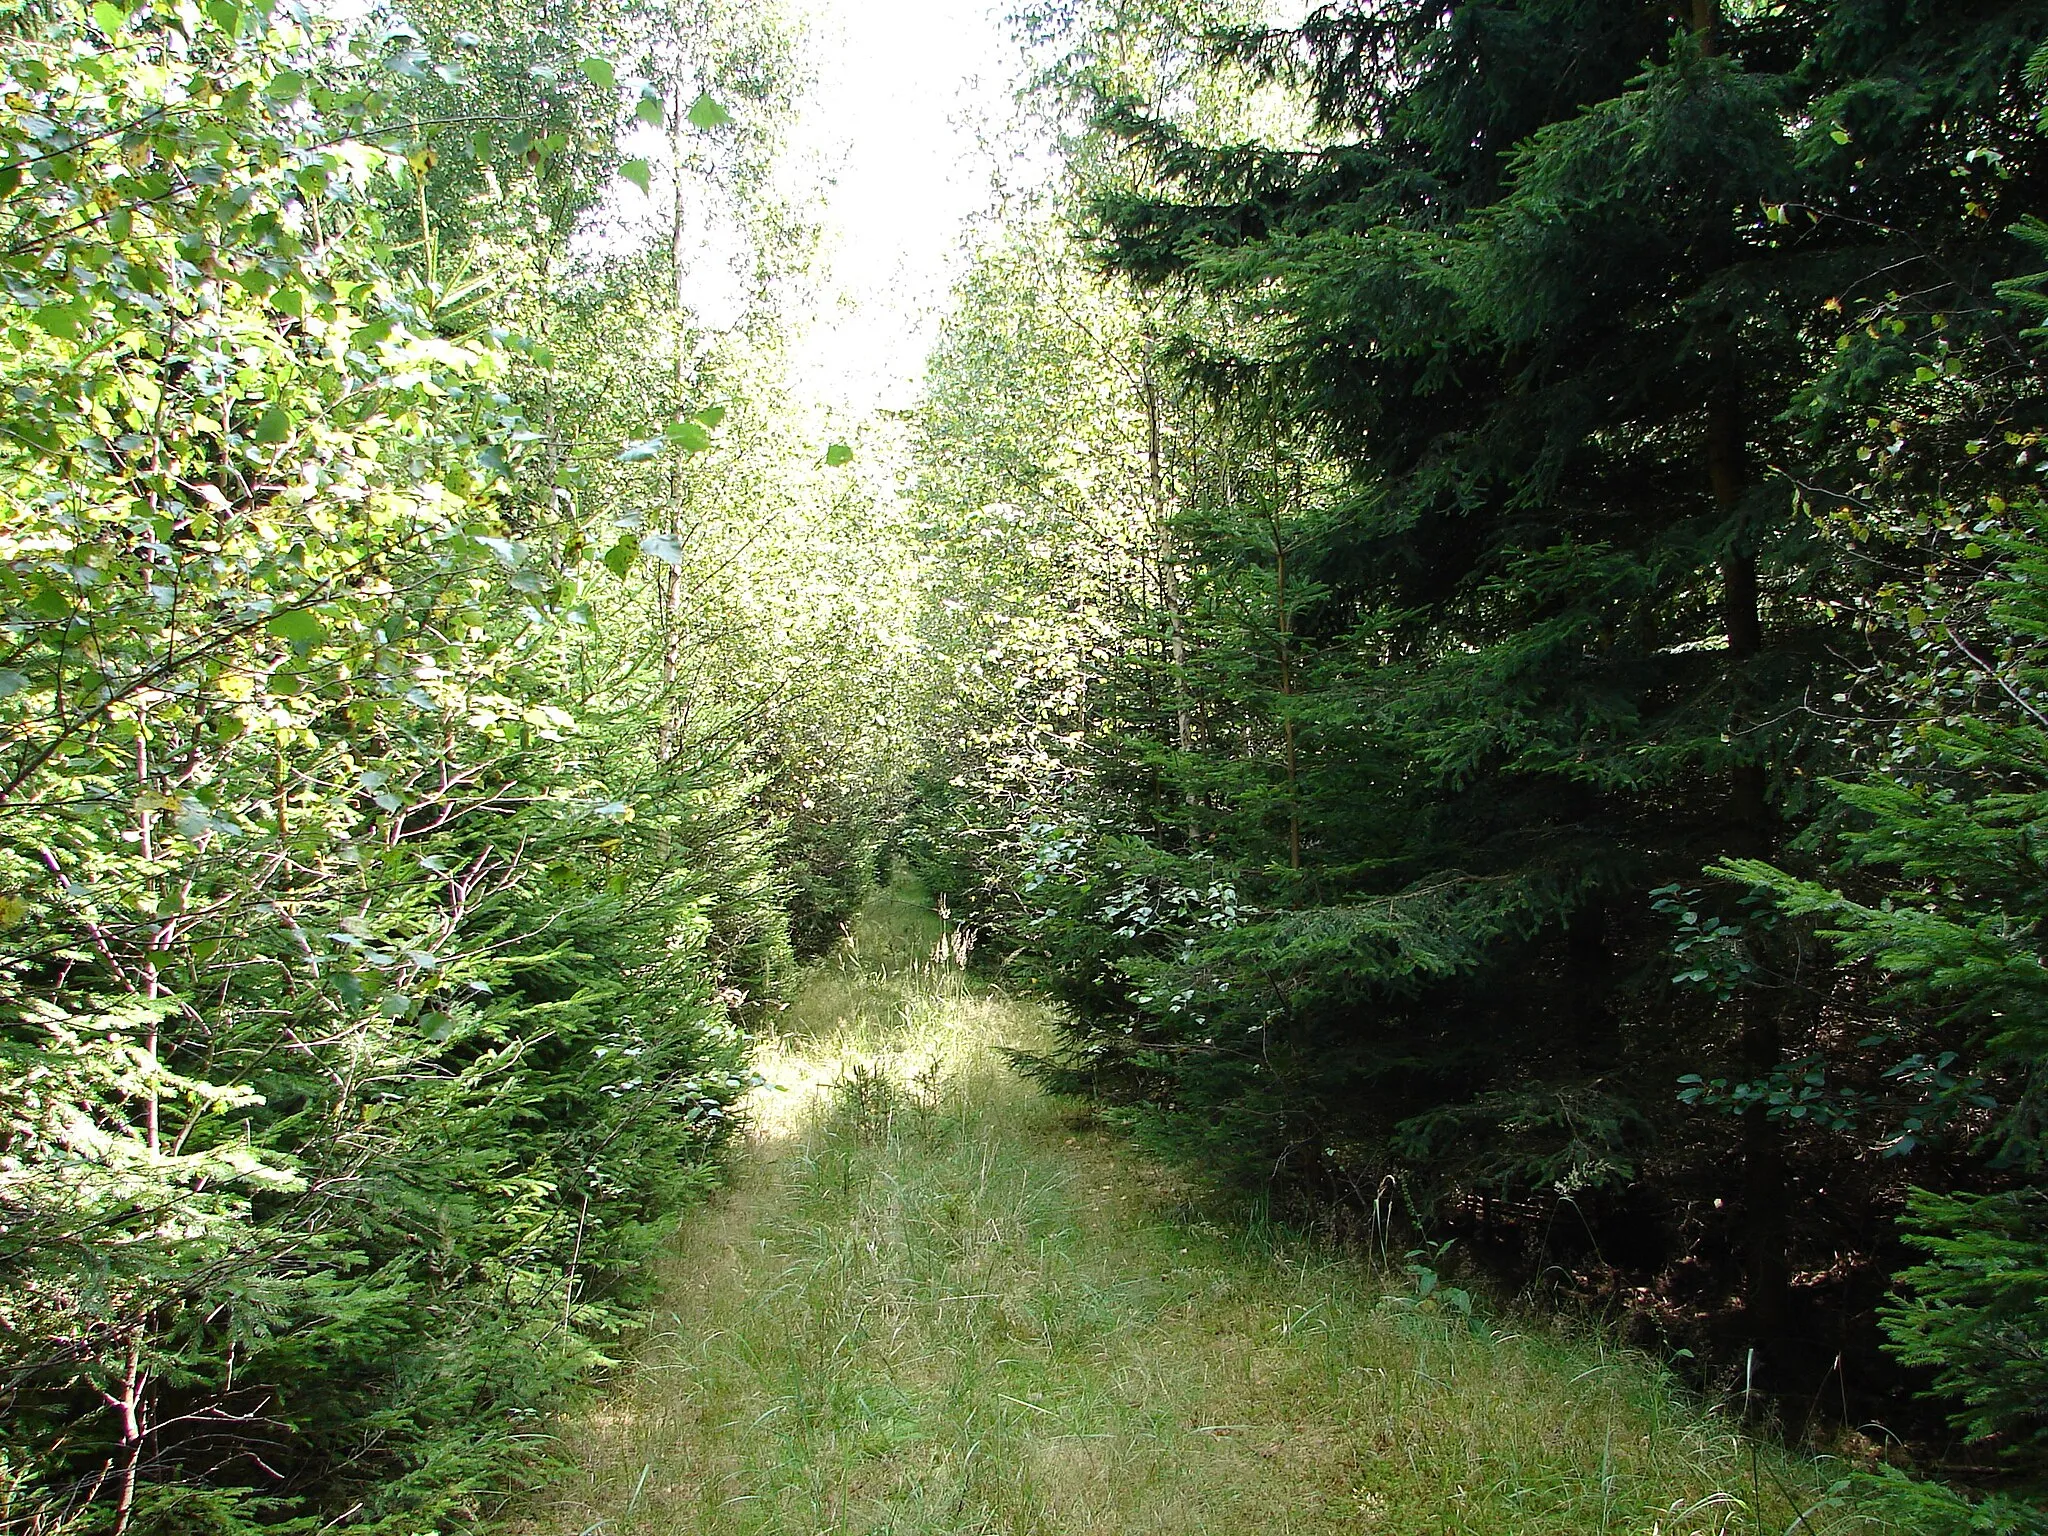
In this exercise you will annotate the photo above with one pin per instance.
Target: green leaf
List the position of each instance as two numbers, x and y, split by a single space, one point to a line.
837 455
711 415
649 109
637 172
641 450
274 426
619 558
706 113
689 436
599 73
50 603
298 625
38 434
223 14
61 320
110 19
286 85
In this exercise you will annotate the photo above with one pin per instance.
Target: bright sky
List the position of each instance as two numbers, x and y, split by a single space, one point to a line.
904 88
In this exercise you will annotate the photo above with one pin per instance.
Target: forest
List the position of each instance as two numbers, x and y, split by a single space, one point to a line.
1464 603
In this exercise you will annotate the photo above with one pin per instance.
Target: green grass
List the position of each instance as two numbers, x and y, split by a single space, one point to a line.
936 1301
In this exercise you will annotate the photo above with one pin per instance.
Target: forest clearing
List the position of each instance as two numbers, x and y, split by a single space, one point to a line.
1449 599
935 1300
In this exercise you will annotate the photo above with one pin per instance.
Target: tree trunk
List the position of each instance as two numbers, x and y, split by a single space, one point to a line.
1286 628
1767 1219
129 1406
1759 1042
1767 1276
669 578
1706 25
1169 583
1589 965
1767 1290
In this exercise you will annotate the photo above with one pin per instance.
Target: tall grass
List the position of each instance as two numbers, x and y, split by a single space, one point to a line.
935 1301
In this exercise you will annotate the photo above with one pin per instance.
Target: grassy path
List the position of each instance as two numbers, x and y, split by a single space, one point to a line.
935 1302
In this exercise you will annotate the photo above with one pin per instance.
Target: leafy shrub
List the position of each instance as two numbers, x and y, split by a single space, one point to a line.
365 1013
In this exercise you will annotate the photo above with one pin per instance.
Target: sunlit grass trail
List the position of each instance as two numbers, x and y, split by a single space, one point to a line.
935 1301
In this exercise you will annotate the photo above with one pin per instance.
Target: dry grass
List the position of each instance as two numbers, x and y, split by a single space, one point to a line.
933 1302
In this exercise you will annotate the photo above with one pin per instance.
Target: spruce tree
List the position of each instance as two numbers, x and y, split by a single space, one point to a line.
1566 295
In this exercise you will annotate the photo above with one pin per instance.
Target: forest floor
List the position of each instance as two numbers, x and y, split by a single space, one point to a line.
935 1300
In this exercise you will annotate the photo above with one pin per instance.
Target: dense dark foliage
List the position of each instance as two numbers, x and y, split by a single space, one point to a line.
1573 786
